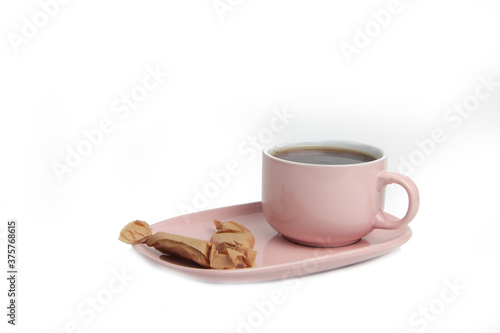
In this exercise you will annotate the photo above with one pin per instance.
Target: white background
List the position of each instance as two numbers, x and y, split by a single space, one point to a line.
227 77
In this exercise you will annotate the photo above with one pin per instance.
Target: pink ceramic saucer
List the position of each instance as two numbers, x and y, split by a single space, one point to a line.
277 258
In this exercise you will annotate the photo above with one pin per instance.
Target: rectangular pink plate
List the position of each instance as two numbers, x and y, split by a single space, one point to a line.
277 258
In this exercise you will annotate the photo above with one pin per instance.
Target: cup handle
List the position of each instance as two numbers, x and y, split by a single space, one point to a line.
384 221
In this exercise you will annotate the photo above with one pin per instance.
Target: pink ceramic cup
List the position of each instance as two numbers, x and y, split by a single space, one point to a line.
330 205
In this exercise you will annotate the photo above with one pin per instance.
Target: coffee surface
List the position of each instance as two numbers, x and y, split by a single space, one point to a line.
323 155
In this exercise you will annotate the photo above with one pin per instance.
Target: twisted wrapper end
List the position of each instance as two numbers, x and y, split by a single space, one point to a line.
136 232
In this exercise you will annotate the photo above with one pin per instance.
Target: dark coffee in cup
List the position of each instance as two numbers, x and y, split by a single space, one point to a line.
323 155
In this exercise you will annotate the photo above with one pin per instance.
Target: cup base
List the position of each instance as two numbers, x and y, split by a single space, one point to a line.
318 244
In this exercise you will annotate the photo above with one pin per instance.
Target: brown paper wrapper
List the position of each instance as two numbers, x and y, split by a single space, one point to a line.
230 247
135 232
234 244
180 246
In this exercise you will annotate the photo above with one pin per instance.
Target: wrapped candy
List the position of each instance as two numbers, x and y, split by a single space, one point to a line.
230 247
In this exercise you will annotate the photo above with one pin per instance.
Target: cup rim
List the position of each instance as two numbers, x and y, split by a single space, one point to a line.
377 153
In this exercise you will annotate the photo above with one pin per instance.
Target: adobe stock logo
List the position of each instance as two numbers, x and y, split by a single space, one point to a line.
222 7
263 309
89 309
248 150
379 20
39 20
453 118
122 106
427 314
292 281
